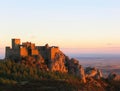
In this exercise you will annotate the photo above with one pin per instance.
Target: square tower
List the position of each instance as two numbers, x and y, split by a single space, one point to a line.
15 43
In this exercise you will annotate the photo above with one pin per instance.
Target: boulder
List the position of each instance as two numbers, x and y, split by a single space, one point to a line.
93 72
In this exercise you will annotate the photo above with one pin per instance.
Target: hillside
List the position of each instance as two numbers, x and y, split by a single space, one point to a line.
30 67
17 77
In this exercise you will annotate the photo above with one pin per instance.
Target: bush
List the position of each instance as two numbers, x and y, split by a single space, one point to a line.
21 72
7 81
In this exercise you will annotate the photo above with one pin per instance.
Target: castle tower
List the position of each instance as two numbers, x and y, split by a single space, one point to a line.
15 43
14 52
7 52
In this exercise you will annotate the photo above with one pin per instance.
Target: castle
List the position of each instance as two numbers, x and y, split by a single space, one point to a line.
19 51
48 59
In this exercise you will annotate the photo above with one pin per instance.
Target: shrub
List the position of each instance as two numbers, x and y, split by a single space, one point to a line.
7 81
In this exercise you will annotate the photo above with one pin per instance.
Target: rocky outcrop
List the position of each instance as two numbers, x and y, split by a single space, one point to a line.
82 74
58 63
93 72
113 77
75 68
64 64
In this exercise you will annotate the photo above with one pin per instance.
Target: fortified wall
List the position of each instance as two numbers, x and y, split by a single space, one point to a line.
19 51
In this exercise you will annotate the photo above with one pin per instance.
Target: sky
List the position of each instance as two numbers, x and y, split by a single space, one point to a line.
76 26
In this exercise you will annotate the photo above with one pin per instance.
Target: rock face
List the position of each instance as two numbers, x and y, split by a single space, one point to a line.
114 76
75 68
82 74
93 72
58 63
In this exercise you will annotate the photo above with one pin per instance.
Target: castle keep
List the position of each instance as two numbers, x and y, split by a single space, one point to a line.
19 51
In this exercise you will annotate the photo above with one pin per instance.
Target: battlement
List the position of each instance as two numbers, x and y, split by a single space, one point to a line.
28 45
25 49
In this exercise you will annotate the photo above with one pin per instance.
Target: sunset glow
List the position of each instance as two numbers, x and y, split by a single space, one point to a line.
78 26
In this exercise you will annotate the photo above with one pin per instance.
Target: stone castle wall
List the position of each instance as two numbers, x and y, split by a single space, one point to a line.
23 52
53 51
29 49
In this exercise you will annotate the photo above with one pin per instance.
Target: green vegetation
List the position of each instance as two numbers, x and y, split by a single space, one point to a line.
14 74
21 77
20 72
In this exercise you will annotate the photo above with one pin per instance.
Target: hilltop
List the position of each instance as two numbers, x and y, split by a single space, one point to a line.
46 67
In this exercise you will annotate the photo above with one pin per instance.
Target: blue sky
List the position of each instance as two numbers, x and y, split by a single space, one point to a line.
86 25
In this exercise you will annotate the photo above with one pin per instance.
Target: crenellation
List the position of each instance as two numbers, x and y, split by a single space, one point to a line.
25 49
